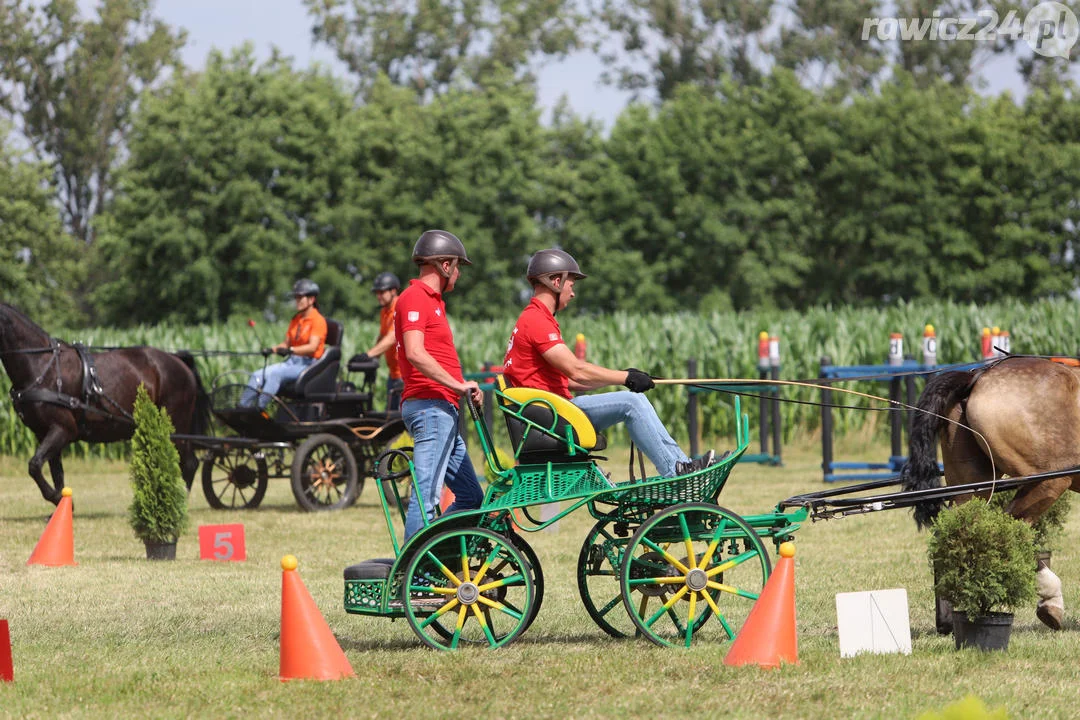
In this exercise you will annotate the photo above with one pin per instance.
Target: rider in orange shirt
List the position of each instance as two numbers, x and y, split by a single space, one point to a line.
386 287
304 343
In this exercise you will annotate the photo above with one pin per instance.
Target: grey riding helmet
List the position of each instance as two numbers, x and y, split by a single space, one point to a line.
553 261
434 246
304 287
386 281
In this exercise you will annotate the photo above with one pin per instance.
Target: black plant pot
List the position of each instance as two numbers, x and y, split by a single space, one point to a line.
986 632
160 550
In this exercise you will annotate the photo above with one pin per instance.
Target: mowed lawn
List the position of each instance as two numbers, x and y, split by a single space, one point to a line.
118 636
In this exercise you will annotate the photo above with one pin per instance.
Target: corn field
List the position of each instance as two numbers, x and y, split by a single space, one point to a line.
724 345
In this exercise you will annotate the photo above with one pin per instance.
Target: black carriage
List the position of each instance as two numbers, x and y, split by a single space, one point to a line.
320 432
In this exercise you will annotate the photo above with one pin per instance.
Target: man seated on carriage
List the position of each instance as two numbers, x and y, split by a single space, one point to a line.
434 382
537 357
305 342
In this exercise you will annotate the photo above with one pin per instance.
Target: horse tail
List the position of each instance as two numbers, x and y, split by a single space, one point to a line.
200 421
921 471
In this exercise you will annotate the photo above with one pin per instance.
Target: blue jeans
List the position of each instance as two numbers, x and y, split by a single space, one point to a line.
270 378
438 456
645 428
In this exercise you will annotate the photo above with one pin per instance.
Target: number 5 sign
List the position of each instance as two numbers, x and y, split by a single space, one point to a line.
222 542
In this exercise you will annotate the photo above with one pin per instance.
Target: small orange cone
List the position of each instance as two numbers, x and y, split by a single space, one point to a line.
446 500
57 545
7 673
309 651
768 636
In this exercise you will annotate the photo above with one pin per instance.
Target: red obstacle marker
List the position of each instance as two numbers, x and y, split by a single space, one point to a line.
309 651
222 542
768 636
57 544
7 671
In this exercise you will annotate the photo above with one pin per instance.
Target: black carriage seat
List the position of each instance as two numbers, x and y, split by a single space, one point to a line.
548 444
375 569
320 377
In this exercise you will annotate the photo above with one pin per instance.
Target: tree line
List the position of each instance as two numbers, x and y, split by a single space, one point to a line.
834 171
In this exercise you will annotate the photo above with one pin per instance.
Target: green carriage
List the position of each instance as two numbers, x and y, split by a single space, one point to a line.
662 559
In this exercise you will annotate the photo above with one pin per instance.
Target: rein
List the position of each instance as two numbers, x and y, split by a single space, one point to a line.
706 383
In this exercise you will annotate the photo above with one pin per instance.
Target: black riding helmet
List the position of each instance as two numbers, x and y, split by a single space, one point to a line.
434 246
303 287
553 261
386 281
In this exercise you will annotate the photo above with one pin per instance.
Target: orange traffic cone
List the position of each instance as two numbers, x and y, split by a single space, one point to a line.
57 545
309 650
7 673
768 636
446 500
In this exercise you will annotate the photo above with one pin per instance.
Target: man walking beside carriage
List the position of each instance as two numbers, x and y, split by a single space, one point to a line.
433 381
537 357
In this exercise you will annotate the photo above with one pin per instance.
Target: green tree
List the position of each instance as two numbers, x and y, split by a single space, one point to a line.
158 512
474 163
38 260
73 85
431 45
218 204
823 43
665 44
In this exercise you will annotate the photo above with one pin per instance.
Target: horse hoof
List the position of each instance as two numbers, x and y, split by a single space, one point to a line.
1050 616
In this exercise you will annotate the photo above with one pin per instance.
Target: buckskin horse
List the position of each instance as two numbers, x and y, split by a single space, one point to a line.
64 393
1028 411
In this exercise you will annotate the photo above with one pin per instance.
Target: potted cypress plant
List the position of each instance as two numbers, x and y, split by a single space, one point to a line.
1048 528
159 511
983 563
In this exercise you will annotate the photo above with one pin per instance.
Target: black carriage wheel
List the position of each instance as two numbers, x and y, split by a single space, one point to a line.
324 474
598 578
688 563
234 479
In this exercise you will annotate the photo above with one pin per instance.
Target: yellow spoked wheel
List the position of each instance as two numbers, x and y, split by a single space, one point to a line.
689 563
468 586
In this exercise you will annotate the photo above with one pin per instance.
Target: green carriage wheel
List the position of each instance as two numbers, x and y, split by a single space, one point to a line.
689 562
452 593
445 628
598 578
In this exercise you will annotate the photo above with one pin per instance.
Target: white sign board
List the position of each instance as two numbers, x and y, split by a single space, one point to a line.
874 621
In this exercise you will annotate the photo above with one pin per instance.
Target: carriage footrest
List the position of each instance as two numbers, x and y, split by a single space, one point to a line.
364 584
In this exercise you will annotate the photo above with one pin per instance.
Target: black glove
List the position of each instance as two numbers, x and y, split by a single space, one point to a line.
284 351
362 357
267 352
638 381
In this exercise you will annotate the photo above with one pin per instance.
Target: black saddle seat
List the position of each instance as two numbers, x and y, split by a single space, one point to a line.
321 375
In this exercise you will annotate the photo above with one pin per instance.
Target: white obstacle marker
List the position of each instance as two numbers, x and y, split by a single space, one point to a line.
873 621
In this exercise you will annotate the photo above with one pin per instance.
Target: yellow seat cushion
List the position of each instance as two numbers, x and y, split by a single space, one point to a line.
568 411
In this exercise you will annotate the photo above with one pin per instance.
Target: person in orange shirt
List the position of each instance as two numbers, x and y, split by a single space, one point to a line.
304 343
386 287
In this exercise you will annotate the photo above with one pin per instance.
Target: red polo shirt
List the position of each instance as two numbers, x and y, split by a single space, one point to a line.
421 308
536 332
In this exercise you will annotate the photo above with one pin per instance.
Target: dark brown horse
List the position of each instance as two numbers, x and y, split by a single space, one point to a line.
1028 411
64 393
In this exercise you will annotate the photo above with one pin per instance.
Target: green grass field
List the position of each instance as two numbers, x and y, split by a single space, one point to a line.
118 636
